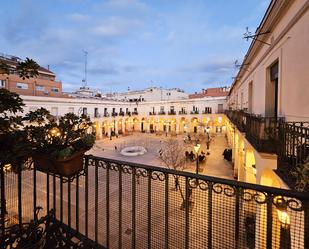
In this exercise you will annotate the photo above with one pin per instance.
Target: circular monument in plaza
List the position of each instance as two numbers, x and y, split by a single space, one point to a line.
133 151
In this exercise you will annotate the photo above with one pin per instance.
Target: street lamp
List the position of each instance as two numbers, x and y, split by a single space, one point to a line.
284 219
196 149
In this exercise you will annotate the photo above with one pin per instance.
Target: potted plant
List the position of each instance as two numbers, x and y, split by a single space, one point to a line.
58 146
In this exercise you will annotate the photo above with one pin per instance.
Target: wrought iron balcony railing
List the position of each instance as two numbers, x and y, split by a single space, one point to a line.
293 149
261 132
121 114
135 113
152 113
182 112
114 114
161 113
171 113
106 114
128 114
194 112
116 204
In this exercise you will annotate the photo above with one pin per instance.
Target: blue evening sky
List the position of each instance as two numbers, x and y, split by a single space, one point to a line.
190 44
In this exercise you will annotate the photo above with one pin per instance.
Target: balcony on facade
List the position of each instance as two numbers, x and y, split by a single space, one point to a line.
117 204
288 140
121 113
128 113
171 112
152 113
114 114
161 113
135 113
182 112
194 112
106 114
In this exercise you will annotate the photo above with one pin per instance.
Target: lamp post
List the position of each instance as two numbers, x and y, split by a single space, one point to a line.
196 149
207 137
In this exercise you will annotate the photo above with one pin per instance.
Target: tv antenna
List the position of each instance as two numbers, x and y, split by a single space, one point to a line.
248 35
85 76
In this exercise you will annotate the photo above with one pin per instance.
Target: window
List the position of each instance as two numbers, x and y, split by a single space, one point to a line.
2 83
22 85
40 88
55 90
96 112
161 108
85 111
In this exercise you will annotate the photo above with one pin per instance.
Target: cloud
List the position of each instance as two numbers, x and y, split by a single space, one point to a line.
78 17
209 67
103 70
116 26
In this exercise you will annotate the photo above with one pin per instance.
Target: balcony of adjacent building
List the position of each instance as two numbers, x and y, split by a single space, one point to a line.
118 204
288 140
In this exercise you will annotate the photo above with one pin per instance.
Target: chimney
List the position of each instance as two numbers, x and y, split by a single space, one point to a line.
48 67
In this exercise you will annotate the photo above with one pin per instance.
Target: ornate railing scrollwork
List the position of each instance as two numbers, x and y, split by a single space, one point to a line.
157 175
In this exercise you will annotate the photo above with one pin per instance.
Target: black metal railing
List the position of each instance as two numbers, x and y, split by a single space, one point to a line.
152 113
294 147
114 114
121 114
182 112
194 112
263 132
238 118
128 114
161 113
171 113
117 204
135 113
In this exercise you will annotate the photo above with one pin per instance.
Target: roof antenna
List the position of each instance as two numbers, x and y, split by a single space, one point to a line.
85 76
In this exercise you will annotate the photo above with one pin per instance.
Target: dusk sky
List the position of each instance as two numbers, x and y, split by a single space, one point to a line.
132 43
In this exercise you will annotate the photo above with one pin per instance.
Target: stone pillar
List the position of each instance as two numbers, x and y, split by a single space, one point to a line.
177 126
98 130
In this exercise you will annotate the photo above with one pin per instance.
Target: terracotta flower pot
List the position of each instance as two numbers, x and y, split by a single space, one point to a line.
66 167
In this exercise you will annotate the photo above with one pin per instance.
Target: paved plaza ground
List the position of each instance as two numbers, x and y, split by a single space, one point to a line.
215 165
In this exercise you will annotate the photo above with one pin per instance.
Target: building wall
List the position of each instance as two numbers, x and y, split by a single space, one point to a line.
289 40
47 82
65 105
152 94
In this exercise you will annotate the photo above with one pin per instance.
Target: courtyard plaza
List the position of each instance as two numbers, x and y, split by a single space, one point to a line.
214 165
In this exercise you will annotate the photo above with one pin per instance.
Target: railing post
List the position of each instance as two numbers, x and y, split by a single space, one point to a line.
133 207
166 210
237 215
269 222
3 206
306 224
86 195
120 208
107 205
96 199
34 193
149 210
19 196
187 206
210 185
